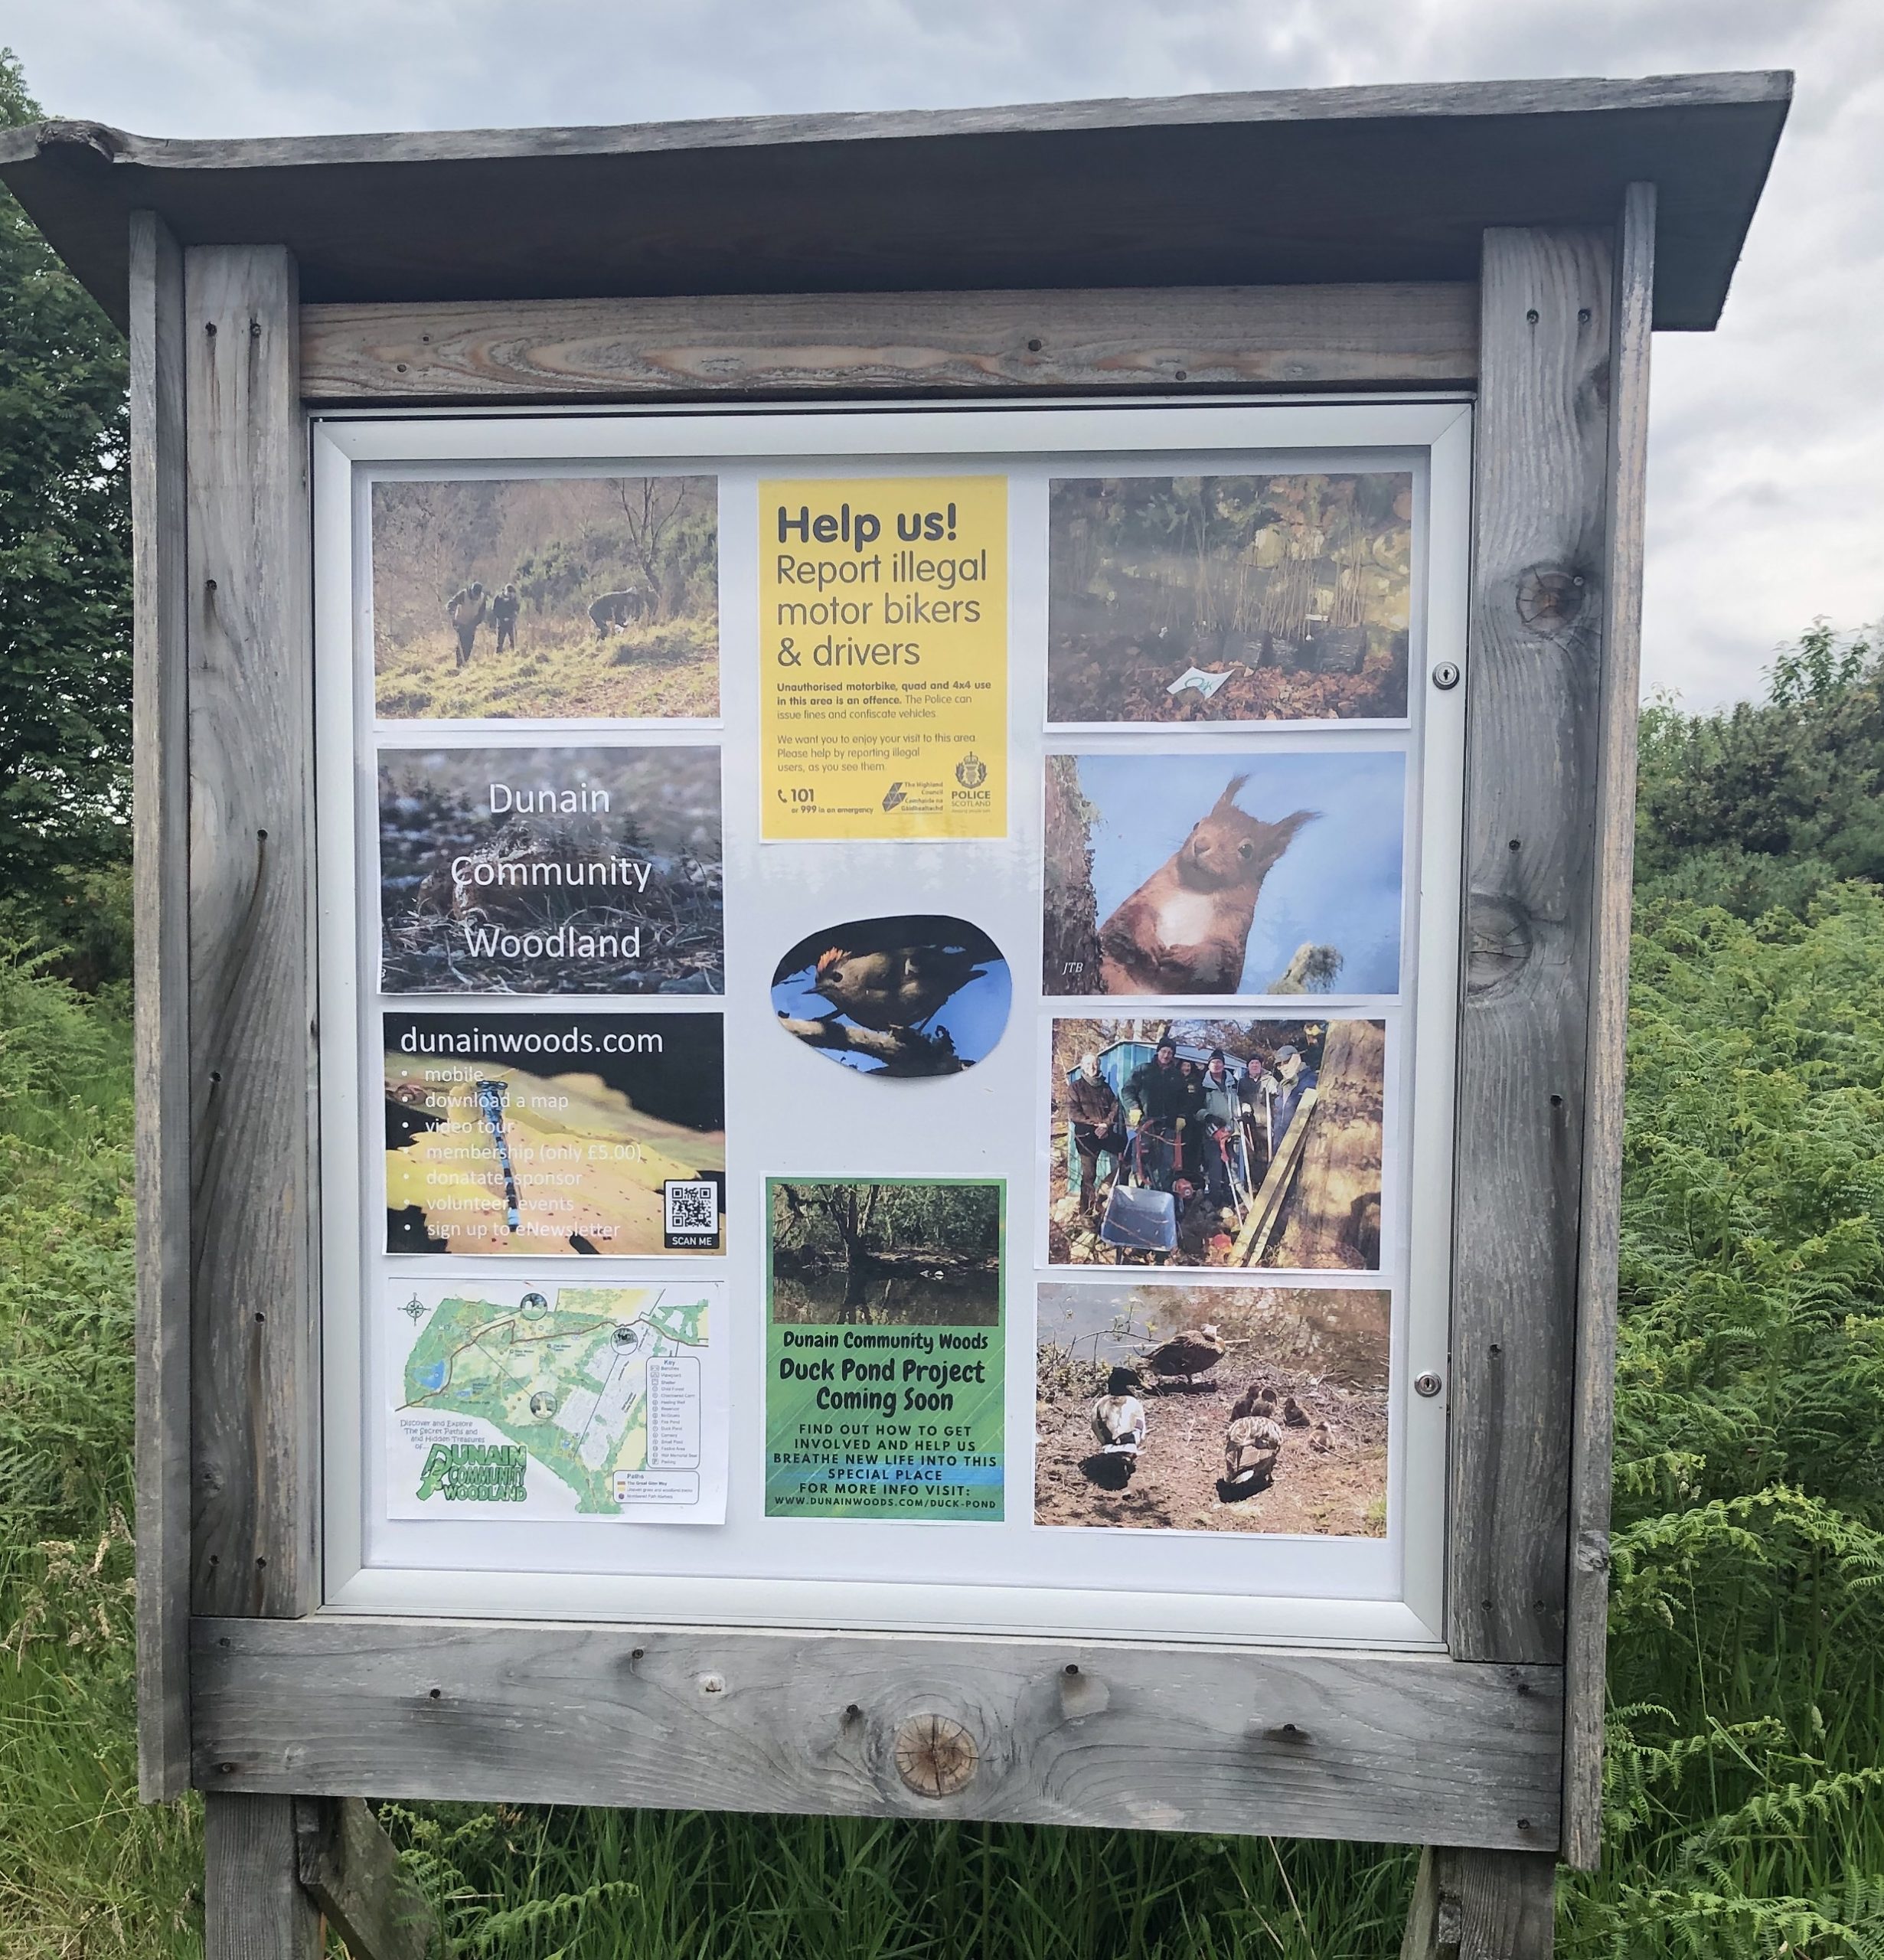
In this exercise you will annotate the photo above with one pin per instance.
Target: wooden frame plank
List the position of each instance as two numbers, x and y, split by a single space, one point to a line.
1377 1747
255 1395
1482 1906
348 1865
253 1907
1536 640
872 343
160 854
1593 1435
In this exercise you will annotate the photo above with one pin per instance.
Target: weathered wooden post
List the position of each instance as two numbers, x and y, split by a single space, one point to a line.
609 606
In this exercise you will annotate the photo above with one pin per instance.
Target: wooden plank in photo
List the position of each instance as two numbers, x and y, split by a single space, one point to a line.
161 875
872 343
1127 1735
254 1418
1537 608
1594 1432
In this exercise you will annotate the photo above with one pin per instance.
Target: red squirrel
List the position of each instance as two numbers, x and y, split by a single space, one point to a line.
1185 930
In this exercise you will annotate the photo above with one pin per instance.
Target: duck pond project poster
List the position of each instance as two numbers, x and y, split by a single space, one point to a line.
539 1400
885 1373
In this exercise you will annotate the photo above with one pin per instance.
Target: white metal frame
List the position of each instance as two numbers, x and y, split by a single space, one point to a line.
740 445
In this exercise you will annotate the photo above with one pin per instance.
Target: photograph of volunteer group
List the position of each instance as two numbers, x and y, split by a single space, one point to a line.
1226 1142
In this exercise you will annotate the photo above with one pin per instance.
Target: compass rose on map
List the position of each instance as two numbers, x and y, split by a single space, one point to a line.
415 1310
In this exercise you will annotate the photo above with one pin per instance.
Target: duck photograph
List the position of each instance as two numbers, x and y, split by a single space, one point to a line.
1227 1141
1263 872
546 598
1162 1408
1228 599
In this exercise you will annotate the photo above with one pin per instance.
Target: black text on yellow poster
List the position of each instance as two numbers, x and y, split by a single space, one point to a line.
883 607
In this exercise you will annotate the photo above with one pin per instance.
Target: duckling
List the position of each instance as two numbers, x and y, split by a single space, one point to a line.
1118 1420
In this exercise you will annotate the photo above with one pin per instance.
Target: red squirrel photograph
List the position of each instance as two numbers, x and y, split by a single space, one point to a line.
1186 929
1225 875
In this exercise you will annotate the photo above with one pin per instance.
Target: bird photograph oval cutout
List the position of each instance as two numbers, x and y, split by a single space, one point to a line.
918 994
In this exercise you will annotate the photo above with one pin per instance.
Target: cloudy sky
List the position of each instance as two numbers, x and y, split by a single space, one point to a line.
1766 490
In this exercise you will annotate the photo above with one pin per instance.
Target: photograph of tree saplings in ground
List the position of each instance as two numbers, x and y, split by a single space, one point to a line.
895 1252
1221 1141
1228 599
1211 1409
548 1133
551 871
918 994
546 598
1268 872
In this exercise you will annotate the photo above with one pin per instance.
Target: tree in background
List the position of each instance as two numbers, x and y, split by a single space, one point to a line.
65 617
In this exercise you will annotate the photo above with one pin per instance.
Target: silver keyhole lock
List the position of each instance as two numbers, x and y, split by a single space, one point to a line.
1429 1384
1445 674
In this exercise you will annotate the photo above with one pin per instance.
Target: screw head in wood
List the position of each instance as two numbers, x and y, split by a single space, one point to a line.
1445 674
1428 1383
936 1755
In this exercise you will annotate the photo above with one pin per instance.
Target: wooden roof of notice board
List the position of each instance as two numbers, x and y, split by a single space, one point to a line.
1288 186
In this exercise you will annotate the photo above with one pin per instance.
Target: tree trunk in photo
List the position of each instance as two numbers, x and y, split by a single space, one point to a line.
1070 957
1332 1216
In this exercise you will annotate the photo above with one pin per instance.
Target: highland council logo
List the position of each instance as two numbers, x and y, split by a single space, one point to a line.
970 772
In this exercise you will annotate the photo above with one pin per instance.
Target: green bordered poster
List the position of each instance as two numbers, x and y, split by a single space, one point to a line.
885 1340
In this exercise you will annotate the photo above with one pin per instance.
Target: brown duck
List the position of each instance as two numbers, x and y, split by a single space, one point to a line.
1193 1353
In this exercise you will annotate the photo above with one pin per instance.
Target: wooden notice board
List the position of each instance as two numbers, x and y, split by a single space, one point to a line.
882 965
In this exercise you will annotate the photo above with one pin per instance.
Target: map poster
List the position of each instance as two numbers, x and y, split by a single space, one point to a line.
885 1349
563 871
539 1400
535 1134
882 610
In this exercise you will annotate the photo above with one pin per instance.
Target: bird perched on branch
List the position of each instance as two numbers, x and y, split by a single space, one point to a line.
901 987
1251 1445
1194 1352
1118 1422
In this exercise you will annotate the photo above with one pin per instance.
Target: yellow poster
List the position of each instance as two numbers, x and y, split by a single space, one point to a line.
883 611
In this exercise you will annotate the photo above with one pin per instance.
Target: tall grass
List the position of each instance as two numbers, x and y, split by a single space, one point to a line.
1745 1788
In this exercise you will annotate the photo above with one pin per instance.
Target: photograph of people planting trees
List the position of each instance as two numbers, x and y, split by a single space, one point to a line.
1212 1408
1228 599
546 598
1225 1141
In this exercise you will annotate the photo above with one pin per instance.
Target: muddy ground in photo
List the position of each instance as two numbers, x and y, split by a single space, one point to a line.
1338 1491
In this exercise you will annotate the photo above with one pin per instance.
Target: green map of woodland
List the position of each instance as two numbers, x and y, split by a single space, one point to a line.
568 1381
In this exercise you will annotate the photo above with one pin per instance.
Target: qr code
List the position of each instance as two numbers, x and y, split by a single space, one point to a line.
691 1214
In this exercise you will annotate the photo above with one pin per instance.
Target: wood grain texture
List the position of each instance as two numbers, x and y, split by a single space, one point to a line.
161 885
1369 1747
255 1392
253 1907
1472 1905
865 343
1538 602
1391 102
1287 187
349 1868
1593 1433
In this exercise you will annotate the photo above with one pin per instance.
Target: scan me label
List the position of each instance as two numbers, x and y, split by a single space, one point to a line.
884 650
